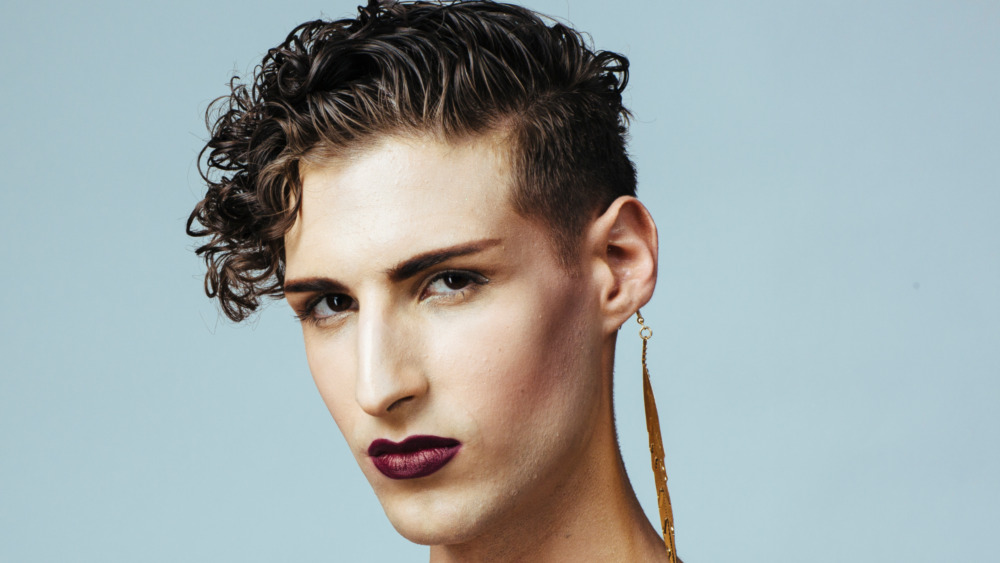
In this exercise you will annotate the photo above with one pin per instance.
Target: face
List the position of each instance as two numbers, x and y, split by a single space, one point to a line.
431 309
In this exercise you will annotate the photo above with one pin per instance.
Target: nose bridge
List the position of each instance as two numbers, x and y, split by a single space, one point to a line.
387 373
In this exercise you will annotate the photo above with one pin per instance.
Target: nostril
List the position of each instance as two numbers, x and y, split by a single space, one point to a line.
399 402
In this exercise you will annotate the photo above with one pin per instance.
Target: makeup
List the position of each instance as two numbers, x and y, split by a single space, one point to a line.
416 456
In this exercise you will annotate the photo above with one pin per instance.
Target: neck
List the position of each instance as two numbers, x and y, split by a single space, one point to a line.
593 515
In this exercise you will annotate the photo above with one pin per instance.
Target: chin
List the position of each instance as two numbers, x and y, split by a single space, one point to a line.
436 523
424 534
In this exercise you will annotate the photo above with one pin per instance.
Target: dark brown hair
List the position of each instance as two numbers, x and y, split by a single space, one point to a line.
453 70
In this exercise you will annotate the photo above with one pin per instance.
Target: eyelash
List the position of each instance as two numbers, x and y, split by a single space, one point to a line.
475 280
309 312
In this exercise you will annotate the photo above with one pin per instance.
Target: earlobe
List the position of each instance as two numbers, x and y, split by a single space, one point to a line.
625 246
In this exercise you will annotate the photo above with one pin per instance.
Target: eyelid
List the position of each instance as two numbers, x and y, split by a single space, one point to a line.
306 312
309 309
476 278
302 312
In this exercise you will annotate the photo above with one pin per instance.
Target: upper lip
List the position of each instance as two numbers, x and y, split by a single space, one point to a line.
409 445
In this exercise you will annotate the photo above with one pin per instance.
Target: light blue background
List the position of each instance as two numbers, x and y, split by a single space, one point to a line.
826 180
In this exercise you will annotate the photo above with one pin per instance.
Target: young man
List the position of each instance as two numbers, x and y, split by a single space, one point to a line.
442 194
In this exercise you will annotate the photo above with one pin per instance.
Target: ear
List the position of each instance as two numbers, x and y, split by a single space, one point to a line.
624 246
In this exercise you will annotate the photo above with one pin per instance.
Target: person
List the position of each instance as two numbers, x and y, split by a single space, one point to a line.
442 193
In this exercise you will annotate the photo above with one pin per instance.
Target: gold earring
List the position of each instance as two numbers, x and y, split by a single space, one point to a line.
656 447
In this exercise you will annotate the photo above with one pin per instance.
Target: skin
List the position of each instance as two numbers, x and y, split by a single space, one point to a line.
498 347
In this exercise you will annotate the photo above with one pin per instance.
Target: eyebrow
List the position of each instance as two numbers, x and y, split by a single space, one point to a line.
313 285
421 262
402 271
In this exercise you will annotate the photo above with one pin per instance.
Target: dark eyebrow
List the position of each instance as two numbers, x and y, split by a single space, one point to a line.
313 285
421 262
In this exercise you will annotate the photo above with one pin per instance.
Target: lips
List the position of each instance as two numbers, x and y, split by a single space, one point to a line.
416 456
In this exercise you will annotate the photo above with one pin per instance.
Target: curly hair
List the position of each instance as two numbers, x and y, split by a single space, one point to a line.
453 70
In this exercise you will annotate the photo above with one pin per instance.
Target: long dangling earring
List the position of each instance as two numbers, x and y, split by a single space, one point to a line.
656 447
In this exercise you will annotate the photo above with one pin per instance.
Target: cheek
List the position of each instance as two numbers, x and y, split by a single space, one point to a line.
514 366
333 372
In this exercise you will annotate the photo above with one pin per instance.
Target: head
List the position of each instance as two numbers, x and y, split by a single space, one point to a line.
454 71
442 193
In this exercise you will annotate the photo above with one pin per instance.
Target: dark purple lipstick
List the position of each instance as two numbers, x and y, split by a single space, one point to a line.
416 456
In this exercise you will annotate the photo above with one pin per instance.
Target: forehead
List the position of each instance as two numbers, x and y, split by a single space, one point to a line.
399 197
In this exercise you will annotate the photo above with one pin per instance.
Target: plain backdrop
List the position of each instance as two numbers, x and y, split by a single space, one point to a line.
826 180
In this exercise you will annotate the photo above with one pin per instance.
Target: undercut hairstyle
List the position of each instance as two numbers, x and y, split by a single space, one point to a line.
453 70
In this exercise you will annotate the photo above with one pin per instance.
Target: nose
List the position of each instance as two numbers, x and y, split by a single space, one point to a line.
389 373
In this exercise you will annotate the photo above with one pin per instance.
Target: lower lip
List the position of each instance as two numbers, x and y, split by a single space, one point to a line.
411 465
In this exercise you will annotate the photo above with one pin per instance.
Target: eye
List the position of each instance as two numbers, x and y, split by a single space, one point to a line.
453 283
329 305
